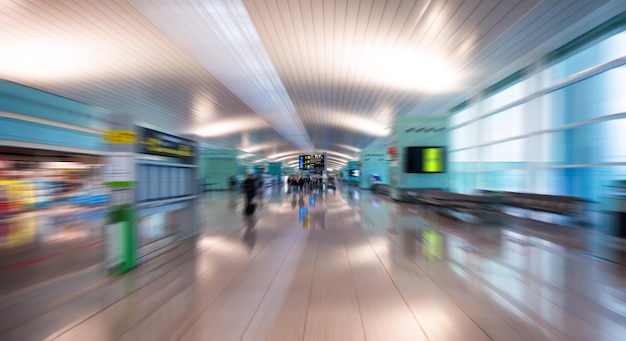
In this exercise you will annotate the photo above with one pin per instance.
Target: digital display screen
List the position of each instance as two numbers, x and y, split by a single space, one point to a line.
317 161
157 143
305 162
312 162
424 160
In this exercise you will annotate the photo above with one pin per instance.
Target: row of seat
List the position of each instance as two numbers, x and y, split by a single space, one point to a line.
381 189
490 203
474 205
558 204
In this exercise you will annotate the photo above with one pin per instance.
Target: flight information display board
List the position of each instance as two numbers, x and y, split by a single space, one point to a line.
315 162
305 161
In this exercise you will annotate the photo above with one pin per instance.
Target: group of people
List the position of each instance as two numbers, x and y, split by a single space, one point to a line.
296 184
306 184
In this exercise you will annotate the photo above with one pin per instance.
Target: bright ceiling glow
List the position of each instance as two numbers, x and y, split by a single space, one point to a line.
221 36
246 156
255 148
415 70
203 108
362 124
224 128
285 155
348 147
340 156
43 59
372 122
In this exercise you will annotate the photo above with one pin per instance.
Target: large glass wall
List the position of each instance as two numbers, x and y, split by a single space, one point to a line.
559 129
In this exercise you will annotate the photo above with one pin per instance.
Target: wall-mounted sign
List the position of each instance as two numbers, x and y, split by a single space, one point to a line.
219 154
119 136
161 144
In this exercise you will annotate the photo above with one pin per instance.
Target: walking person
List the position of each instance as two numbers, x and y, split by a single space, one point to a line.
249 189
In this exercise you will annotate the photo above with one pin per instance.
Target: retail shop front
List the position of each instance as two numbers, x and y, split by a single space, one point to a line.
52 209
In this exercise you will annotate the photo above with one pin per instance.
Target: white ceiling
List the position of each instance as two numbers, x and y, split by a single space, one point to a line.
281 77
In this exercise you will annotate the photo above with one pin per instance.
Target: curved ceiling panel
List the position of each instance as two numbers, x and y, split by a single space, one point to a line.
279 78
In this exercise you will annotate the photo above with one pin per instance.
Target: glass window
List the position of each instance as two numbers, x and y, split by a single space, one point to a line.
550 115
506 154
613 47
548 149
611 140
582 144
575 64
509 123
515 180
530 164
463 116
613 88
464 159
458 138
464 137
505 97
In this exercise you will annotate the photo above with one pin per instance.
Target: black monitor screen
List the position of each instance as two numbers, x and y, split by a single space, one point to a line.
424 160
315 161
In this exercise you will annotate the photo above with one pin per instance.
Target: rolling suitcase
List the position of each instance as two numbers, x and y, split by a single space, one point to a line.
250 208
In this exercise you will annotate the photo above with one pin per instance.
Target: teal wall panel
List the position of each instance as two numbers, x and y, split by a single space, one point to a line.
374 161
24 131
352 165
219 153
417 131
217 171
17 98
275 168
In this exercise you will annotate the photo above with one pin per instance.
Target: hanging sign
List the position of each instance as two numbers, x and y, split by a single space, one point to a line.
154 142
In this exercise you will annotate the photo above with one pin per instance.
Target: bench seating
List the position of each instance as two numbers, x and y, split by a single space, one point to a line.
489 203
568 206
381 189
474 205
557 204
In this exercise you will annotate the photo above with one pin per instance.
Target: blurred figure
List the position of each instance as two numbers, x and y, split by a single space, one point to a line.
232 182
300 185
249 234
232 203
249 189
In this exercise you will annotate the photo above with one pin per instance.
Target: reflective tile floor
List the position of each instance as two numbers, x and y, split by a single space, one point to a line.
340 266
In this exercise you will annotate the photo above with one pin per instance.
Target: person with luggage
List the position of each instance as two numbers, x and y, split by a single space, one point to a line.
249 189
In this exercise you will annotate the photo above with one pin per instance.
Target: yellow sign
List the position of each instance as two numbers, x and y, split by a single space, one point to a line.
119 136
154 145
433 160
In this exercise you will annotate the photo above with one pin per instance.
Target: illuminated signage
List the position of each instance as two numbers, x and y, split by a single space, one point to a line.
119 136
157 143
305 162
433 160
312 162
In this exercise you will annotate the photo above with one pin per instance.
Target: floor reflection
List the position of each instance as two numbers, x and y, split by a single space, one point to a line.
249 236
377 259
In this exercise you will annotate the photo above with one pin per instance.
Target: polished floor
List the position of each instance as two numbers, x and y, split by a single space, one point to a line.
348 265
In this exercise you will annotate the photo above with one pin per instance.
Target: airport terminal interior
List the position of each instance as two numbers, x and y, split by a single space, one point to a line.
313 170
